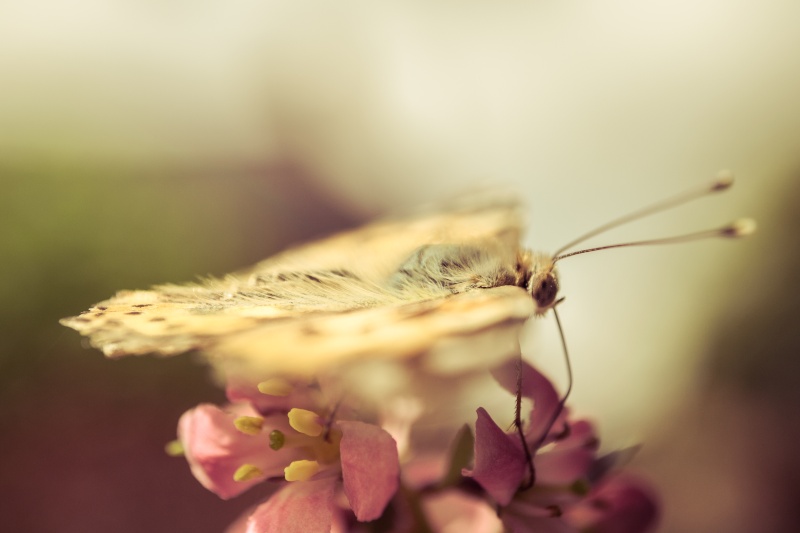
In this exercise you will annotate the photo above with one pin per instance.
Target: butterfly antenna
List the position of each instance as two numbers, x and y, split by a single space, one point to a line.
736 229
540 440
723 182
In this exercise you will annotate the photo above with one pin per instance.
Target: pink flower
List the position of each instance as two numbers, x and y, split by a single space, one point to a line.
455 511
333 471
231 450
566 496
369 471
215 449
298 507
616 505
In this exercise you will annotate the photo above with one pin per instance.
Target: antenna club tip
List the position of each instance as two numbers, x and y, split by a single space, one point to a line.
740 228
724 180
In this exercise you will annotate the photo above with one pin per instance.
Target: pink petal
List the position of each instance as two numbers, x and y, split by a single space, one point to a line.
569 459
299 507
500 464
555 468
215 449
370 468
619 505
536 387
455 512
539 510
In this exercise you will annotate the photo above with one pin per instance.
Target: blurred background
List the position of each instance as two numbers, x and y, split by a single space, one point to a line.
146 142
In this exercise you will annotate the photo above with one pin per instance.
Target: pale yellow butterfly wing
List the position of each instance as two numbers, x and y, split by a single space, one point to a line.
429 327
322 303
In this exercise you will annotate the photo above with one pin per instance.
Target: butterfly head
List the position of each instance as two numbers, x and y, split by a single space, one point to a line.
542 282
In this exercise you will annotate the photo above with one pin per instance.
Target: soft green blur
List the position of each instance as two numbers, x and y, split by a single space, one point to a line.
148 142
83 436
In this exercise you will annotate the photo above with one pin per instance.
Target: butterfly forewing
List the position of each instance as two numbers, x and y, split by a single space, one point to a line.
389 289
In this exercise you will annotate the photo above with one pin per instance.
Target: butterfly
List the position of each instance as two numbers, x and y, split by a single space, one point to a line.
404 289
394 289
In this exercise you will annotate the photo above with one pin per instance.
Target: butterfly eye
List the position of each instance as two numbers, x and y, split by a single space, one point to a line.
545 291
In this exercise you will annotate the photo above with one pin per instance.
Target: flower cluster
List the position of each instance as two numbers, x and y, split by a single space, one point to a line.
334 467
564 486
319 456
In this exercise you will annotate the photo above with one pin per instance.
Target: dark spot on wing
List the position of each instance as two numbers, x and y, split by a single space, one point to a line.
102 308
343 274
310 330
157 319
99 314
264 294
133 313
143 305
315 276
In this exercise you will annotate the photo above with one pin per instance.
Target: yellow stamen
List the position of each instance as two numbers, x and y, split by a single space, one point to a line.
275 387
174 448
249 425
300 470
305 422
247 472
